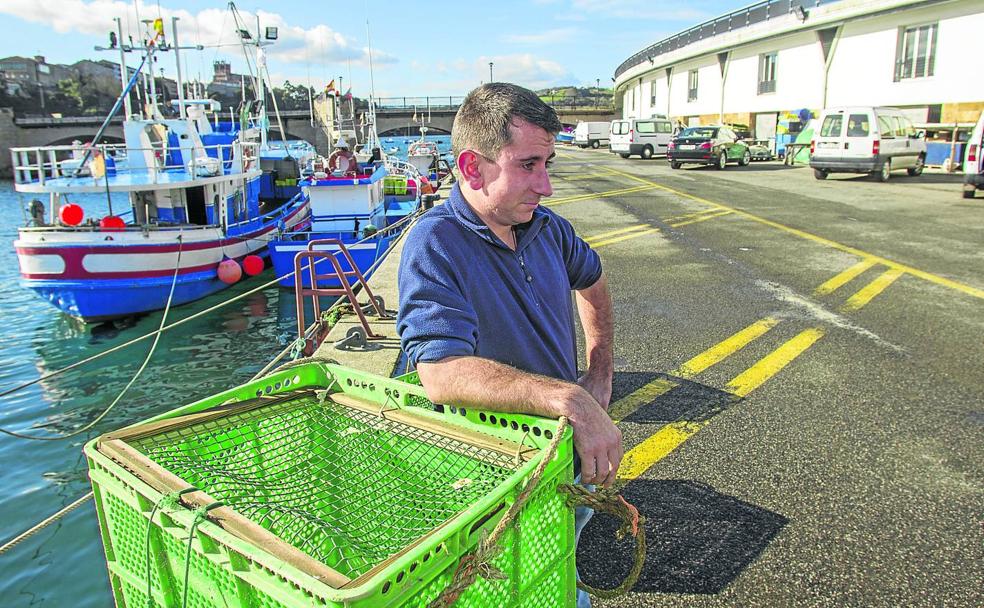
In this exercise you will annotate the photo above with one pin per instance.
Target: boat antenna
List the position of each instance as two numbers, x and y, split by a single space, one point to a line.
374 143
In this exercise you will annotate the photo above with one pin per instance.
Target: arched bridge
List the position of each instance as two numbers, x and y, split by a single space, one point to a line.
394 115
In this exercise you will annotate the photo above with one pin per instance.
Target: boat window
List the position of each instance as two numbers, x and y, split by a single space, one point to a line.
832 126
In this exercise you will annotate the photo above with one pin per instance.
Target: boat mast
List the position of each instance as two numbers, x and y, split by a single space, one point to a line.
123 75
177 61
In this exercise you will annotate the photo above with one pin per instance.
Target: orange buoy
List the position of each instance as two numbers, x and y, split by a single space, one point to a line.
71 214
112 223
252 265
229 271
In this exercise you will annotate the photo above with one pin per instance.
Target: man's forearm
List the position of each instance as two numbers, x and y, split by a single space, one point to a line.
594 307
478 382
486 384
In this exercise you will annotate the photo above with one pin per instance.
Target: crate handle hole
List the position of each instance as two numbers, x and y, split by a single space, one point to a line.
485 518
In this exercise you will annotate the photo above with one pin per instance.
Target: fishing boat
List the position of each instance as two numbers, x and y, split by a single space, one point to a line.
565 136
364 212
424 154
194 222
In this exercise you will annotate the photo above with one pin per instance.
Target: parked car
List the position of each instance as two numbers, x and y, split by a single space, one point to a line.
973 165
760 149
709 145
866 140
591 134
646 137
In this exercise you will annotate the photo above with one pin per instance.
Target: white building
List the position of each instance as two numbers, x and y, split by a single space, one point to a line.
762 64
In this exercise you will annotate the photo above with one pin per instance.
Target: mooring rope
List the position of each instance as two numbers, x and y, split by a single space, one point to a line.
140 370
479 562
10 544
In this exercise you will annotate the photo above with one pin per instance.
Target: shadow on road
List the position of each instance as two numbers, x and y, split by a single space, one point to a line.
690 401
699 540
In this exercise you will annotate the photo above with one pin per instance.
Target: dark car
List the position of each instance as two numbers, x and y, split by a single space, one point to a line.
709 145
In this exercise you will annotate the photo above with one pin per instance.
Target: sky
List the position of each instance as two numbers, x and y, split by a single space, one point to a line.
419 48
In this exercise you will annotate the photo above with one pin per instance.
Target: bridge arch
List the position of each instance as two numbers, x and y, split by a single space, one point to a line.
412 131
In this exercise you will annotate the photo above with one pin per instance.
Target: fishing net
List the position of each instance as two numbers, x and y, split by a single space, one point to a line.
347 487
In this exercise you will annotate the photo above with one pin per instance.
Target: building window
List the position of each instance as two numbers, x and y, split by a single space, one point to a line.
652 94
915 54
692 89
767 73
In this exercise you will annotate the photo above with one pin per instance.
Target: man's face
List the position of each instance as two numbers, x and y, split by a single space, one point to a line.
514 183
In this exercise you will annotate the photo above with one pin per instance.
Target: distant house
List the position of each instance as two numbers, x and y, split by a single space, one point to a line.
34 71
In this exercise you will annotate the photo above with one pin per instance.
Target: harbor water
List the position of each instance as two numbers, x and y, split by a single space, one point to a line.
64 564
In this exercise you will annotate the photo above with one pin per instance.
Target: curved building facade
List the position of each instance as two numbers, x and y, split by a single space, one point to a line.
766 63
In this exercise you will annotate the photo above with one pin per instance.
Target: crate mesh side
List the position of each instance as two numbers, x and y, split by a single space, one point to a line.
348 488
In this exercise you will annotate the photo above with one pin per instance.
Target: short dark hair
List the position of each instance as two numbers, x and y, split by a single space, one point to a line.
482 122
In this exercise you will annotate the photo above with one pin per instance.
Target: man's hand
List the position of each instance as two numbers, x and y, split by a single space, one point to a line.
596 438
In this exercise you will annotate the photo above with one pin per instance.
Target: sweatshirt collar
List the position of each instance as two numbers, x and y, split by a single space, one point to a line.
525 233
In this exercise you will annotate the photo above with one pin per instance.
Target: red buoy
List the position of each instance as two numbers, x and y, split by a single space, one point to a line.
112 223
71 214
229 271
252 265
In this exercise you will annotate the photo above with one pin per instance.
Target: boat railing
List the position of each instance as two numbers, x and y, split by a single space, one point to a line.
37 164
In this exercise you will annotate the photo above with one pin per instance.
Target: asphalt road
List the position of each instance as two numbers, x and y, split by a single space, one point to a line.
799 380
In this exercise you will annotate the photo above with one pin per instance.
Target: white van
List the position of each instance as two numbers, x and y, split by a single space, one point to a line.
973 165
592 134
866 140
646 137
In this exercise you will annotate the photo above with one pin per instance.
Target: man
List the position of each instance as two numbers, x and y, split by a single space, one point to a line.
485 281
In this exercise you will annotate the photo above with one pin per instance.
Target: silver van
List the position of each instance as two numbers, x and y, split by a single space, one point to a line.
973 165
646 137
866 140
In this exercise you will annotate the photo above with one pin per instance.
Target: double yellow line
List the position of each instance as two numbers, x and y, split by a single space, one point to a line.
644 455
590 195
866 293
617 236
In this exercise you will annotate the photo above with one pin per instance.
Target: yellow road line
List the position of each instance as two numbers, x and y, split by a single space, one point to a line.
922 274
872 289
592 195
595 237
582 176
685 216
834 283
641 396
709 216
625 237
717 353
655 447
770 365
637 460
724 348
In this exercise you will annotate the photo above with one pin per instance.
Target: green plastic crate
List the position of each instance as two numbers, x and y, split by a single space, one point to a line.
395 184
386 491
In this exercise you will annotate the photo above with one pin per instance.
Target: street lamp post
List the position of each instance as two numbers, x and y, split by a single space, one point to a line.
490 72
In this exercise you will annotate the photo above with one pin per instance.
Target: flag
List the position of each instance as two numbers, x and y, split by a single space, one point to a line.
348 94
159 28
330 89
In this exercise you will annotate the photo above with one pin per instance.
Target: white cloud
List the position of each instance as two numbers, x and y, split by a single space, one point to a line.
523 69
554 36
315 45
